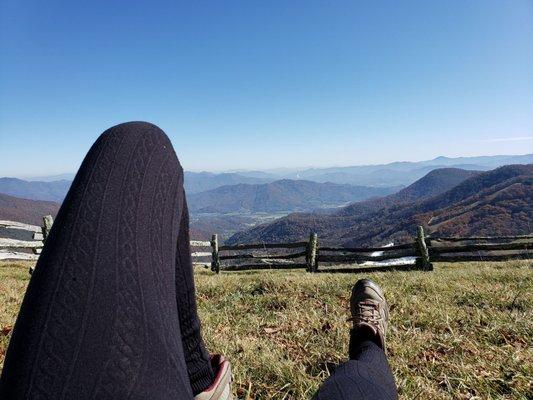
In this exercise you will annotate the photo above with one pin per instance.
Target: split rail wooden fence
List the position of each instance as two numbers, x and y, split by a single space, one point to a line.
310 256
417 255
10 248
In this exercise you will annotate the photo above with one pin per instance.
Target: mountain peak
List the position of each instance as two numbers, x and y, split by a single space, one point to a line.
457 202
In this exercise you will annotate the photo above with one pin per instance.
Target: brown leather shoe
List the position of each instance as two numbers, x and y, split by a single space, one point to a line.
369 309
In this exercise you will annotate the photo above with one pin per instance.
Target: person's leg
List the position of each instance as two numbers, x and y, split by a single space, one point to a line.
100 316
199 368
367 375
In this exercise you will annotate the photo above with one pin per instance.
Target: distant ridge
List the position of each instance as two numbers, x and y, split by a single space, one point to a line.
35 190
201 181
404 172
434 183
494 202
280 196
24 210
394 174
52 178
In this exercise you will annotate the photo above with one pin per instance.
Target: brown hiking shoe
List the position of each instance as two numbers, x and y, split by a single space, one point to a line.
370 312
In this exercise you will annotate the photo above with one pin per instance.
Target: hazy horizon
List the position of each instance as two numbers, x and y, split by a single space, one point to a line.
273 170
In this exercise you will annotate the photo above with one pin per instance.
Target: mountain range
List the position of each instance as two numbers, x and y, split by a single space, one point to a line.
227 203
24 210
35 190
279 196
403 172
394 174
448 202
196 182
48 188
432 184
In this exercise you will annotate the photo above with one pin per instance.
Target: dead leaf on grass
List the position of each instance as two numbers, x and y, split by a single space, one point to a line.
5 330
270 330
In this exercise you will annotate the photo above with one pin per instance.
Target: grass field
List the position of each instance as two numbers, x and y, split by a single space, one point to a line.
463 331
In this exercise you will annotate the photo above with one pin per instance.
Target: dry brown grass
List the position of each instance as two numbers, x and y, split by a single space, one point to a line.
13 281
463 331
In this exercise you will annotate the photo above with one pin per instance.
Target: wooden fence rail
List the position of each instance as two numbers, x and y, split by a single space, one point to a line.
217 258
309 255
419 254
9 248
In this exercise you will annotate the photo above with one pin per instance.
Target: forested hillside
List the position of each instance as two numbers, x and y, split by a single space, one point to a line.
283 195
24 210
494 202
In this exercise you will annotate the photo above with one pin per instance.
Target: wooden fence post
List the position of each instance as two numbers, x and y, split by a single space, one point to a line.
311 260
47 226
315 263
48 220
215 261
423 262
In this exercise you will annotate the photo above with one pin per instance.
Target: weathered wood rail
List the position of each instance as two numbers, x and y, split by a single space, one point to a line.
417 255
9 248
217 258
308 255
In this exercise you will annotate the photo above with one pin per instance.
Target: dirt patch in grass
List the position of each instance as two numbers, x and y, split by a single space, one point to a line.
463 331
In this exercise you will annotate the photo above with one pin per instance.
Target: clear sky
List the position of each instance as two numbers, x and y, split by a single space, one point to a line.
264 84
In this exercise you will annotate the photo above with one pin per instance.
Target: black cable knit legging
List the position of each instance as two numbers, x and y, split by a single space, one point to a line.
366 376
110 311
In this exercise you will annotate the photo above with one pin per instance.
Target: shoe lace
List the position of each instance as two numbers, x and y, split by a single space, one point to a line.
367 311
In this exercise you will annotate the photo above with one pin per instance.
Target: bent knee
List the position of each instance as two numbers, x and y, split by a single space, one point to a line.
137 128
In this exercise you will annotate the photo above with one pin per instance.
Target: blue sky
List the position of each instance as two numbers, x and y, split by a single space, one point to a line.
265 84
